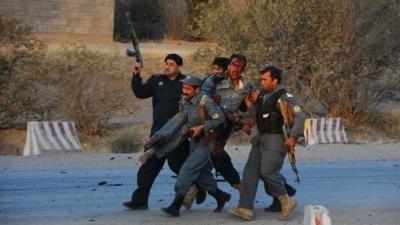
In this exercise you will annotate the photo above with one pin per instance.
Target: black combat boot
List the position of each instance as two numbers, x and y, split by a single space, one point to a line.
276 205
201 195
175 206
135 206
222 198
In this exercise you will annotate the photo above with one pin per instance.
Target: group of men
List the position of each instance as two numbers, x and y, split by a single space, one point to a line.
192 120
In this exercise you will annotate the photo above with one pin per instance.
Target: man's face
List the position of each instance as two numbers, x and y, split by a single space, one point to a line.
171 68
235 68
267 83
217 69
189 91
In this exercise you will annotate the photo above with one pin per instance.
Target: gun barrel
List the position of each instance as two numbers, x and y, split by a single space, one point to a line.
296 172
135 43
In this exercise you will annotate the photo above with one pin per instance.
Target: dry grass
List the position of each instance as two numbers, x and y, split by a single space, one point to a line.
153 54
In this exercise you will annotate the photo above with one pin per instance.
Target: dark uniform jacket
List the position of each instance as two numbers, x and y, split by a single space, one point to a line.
166 94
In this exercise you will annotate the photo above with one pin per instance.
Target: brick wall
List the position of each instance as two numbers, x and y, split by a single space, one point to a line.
70 18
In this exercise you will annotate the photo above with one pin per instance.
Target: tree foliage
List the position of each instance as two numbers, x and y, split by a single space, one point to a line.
21 54
75 83
155 19
342 54
146 17
88 85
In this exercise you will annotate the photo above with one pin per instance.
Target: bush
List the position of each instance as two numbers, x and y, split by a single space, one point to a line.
74 83
89 86
125 143
341 54
21 72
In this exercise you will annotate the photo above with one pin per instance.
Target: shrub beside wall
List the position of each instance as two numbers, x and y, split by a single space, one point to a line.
74 83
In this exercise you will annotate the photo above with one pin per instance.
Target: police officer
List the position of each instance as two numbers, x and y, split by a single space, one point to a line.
165 90
268 147
219 67
203 118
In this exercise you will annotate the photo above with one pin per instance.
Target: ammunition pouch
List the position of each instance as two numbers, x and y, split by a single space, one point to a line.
268 115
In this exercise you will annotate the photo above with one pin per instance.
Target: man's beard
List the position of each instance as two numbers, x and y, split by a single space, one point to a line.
187 97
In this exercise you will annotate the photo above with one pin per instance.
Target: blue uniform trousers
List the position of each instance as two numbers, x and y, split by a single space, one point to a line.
196 169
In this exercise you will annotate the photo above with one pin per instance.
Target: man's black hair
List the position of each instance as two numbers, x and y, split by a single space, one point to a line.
174 57
241 57
276 73
222 62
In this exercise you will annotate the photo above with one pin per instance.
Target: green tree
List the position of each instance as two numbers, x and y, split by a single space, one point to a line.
340 54
145 15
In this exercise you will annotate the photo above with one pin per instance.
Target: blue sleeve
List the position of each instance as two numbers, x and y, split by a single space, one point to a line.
208 87
215 115
141 90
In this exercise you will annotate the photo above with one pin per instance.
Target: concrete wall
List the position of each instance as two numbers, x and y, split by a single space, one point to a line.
70 18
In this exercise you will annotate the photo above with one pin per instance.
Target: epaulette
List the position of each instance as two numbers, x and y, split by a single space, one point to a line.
156 75
285 96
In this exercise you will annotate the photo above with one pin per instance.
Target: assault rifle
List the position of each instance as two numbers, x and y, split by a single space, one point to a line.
288 120
291 155
135 52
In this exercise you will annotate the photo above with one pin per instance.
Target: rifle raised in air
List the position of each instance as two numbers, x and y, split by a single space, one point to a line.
135 52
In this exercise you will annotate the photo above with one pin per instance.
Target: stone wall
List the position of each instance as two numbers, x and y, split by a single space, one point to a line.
76 19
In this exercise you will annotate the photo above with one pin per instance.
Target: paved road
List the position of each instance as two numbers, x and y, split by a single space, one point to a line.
355 192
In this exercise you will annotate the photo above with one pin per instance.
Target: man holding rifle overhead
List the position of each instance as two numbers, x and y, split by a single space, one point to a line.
165 90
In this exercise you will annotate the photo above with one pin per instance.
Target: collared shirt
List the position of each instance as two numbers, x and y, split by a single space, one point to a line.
165 95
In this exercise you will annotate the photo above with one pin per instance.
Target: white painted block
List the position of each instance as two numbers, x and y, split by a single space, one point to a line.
324 131
51 137
316 215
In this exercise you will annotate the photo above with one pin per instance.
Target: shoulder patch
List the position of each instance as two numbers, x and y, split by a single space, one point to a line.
203 99
215 116
289 95
297 109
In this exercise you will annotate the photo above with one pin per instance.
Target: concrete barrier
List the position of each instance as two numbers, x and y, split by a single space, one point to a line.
325 131
51 137
316 215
